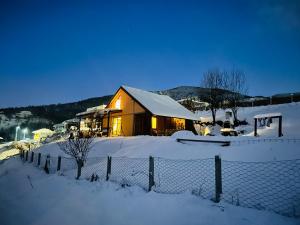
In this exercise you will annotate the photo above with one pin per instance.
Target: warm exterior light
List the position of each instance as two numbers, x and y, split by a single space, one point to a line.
25 131
116 126
16 137
118 103
154 122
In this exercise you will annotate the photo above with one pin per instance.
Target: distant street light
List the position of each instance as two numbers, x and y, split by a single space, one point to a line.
292 99
17 129
25 131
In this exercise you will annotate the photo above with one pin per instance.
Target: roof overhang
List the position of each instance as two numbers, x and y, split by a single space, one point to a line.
267 115
100 112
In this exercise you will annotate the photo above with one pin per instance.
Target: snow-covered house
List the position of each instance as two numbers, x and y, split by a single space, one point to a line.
66 125
42 134
132 111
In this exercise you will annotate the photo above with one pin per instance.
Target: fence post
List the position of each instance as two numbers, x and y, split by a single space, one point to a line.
32 155
39 159
58 163
46 167
108 170
151 173
218 178
26 156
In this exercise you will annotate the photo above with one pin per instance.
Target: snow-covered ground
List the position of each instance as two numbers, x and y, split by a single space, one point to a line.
29 196
58 199
290 113
243 148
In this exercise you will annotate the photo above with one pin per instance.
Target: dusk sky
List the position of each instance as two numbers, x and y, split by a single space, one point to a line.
64 51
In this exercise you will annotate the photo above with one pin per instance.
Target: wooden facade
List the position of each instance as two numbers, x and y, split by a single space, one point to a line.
135 119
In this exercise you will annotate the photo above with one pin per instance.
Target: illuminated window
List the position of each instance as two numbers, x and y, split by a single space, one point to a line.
116 126
154 122
118 103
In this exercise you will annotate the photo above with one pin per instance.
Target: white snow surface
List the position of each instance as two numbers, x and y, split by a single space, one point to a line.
29 196
290 119
168 147
160 105
267 115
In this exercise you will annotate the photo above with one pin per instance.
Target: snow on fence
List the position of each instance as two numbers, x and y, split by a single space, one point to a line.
273 185
266 140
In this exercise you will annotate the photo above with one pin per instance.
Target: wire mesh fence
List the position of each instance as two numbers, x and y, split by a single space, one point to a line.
266 140
68 167
177 176
94 167
130 171
273 185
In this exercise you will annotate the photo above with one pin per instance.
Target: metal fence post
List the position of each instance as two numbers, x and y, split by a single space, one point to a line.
151 173
108 170
26 156
58 163
46 167
218 178
39 159
32 155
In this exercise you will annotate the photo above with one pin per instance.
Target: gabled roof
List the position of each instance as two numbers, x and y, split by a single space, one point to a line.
160 105
43 130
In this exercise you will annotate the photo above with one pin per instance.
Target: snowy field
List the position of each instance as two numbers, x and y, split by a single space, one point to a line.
29 196
258 172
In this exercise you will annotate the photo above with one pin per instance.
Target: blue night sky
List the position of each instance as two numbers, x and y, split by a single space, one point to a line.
62 51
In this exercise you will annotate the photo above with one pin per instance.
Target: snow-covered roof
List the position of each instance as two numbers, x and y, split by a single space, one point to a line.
43 130
266 115
160 105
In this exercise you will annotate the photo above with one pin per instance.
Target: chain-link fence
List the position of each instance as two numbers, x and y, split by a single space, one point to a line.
178 176
265 140
273 185
94 167
263 185
129 171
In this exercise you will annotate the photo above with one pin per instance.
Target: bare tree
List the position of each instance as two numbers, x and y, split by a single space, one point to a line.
214 81
189 104
236 85
78 148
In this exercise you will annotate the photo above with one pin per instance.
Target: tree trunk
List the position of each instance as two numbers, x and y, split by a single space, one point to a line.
235 118
213 113
79 166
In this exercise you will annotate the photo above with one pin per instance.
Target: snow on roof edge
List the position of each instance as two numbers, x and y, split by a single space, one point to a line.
259 116
160 105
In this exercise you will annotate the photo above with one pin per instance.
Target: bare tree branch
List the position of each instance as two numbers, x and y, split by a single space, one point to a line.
78 148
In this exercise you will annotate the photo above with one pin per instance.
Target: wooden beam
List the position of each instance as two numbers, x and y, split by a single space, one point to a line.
224 143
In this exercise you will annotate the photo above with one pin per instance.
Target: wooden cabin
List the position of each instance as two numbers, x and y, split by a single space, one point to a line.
132 111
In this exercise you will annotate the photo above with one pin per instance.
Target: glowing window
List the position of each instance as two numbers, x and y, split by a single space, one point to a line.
154 122
116 126
118 103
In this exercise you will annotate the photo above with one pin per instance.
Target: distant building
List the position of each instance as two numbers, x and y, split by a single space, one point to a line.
66 125
132 111
42 134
